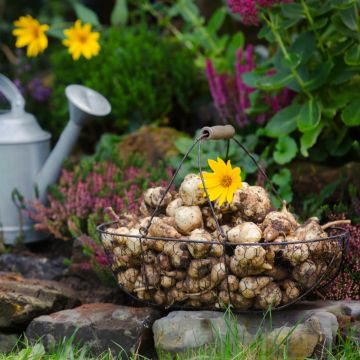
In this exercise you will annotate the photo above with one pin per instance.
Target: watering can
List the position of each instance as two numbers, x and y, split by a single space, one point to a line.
26 165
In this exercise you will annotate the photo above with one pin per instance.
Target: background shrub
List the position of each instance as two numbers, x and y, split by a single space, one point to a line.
145 76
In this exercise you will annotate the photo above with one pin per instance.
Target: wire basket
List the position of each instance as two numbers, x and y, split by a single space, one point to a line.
165 272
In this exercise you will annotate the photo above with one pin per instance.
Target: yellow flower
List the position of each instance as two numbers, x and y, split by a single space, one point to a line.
223 182
30 33
82 41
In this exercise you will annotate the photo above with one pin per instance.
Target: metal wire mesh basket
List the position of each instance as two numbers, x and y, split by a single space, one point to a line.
169 272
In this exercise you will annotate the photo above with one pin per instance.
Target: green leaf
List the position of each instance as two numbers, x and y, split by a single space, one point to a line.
308 139
284 122
236 42
351 114
85 14
119 15
282 178
292 10
349 18
274 82
304 46
319 76
352 56
285 150
216 21
310 116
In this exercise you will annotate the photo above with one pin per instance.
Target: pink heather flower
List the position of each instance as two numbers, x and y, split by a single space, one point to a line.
249 9
231 96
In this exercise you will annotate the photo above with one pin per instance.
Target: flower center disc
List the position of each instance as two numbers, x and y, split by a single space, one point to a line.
226 181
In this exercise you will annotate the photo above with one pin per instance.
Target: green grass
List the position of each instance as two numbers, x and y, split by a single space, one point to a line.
227 347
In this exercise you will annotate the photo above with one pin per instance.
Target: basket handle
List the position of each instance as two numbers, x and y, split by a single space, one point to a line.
219 132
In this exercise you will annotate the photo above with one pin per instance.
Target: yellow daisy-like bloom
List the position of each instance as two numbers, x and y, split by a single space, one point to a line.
30 33
223 182
82 41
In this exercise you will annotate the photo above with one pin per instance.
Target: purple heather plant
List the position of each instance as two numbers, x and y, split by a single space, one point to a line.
231 95
347 285
249 9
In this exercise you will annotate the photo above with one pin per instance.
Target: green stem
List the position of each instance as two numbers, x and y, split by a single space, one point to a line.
311 22
173 29
286 55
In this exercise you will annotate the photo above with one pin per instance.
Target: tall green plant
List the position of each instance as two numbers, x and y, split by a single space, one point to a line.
314 51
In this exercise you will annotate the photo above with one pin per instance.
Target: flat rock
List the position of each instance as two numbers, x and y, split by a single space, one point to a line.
183 330
316 323
22 299
100 326
32 267
7 342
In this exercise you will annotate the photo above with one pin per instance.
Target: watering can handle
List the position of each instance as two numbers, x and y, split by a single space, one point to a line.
12 94
219 132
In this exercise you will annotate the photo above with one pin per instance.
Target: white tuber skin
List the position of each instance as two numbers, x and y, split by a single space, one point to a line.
290 291
278 223
312 230
232 281
295 254
160 297
218 274
252 257
161 229
190 191
134 243
247 232
199 249
152 275
118 239
198 268
305 273
163 262
208 217
173 206
269 296
241 271
179 255
176 274
250 287
167 281
152 197
209 297
128 278
123 257
188 218
237 300
252 202
145 210
107 240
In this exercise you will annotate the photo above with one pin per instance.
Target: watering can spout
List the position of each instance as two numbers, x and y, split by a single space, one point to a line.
84 104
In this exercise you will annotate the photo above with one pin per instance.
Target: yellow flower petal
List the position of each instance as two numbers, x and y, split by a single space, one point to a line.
81 41
29 32
223 181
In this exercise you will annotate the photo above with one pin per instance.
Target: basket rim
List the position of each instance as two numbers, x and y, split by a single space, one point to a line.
338 237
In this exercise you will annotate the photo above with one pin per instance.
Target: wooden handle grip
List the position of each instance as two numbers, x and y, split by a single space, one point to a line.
219 132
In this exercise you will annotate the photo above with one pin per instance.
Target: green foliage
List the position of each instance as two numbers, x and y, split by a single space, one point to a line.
145 76
202 37
316 53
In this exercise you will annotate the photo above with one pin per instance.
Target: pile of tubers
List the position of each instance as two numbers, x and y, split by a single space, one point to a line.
202 265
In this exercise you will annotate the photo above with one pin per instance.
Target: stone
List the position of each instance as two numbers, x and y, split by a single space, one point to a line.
326 326
183 330
22 299
300 342
7 342
100 326
36 267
